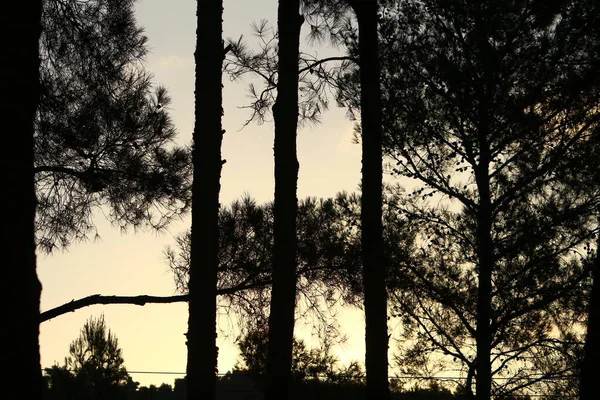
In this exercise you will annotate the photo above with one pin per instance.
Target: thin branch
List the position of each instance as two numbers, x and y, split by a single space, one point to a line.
59 169
311 65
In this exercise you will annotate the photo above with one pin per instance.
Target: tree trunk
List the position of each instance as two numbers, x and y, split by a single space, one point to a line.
374 268
590 349
21 288
483 334
283 294
485 251
485 245
206 157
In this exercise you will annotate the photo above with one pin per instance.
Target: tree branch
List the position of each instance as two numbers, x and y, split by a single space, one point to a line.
312 64
59 169
141 300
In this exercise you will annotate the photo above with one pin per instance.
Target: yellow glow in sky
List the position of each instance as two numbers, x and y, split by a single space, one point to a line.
152 337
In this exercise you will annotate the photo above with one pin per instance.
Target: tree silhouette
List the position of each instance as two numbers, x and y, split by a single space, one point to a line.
204 242
586 378
61 383
100 137
103 133
327 257
163 392
316 364
94 367
582 173
261 64
316 76
283 292
96 353
483 104
21 289
373 261
97 361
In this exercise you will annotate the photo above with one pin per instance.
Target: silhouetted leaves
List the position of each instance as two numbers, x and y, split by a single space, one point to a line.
501 95
328 255
317 77
104 137
93 369
315 364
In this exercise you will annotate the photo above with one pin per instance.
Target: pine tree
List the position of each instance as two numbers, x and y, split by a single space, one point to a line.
283 293
21 289
103 134
204 242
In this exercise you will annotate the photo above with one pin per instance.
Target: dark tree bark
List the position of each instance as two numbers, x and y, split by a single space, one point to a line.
374 268
21 288
483 333
590 349
485 211
285 115
207 138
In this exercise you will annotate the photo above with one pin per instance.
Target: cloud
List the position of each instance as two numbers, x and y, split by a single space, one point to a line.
347 141
171 62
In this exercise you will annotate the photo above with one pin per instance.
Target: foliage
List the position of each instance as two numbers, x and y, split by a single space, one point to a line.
316 372
494 102
245 257
466 116
94 367
96 353
103 133
328 256
316 76
314 364
61 383
152 392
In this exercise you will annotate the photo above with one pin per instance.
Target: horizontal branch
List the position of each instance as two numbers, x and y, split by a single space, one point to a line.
58 169
313 64
99 299
139 300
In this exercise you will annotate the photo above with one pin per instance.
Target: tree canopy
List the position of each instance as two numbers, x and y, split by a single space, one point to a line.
94 368
316 364
489 114
486 108
103 134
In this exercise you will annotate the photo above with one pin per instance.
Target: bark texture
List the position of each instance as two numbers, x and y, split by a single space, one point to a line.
207 138
374 268
485 244
21 288
483 333
285 115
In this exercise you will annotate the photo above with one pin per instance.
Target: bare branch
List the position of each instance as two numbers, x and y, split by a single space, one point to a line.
94 299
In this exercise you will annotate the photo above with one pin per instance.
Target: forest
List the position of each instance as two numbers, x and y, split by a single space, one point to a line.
475 226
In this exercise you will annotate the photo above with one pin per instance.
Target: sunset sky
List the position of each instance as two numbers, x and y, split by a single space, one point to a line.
152 337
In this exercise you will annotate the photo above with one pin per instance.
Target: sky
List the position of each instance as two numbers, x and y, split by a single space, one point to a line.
152 336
